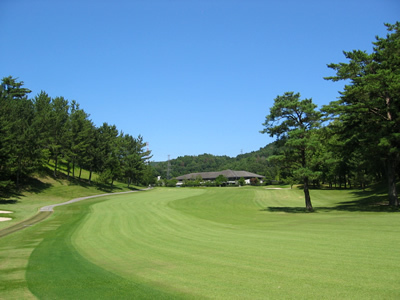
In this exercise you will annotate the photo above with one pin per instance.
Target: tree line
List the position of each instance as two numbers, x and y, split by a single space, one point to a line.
35 131
362 139
255 162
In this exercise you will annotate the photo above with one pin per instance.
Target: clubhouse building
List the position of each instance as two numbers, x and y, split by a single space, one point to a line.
232 176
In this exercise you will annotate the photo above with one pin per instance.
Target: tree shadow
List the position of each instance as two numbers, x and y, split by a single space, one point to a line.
9 201
367 201
34 185
28 184
292 210
107 188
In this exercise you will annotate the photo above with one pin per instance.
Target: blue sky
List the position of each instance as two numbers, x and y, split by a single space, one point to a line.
191 77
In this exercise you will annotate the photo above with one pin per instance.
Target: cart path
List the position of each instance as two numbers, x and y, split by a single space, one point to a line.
47 210
50 207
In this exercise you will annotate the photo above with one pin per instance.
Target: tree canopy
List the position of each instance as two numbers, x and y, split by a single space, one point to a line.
34 131
369 106
293 120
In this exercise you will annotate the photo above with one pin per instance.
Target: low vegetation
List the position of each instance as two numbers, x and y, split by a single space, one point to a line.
220 243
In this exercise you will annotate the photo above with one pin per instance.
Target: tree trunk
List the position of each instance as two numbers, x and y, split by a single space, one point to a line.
18 172
68 169
391 175
55 166
307 195
90 175
80 173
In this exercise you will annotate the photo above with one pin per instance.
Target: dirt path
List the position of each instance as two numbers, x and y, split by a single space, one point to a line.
46 211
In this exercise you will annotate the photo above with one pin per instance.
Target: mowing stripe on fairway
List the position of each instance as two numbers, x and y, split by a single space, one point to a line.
28 222
57 271
46 211
222 243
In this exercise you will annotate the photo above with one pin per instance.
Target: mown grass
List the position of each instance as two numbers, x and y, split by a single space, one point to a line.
65 274
220 243
44 189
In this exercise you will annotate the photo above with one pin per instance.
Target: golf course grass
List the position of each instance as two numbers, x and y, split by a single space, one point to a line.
197 243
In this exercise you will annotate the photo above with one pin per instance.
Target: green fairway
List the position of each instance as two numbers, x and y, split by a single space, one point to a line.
220 243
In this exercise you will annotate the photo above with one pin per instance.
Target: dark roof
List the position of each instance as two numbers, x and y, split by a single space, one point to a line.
230 174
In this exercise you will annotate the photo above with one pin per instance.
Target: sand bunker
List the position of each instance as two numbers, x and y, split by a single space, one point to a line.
2 219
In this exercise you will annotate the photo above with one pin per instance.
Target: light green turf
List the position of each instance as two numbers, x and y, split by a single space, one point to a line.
48 191
219 243
222 243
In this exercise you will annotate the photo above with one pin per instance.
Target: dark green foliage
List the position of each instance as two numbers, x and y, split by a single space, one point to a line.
133 155
220 180
369 106
58 141
255 162
19 152
33 131
169 182
254 181
294 121
12 89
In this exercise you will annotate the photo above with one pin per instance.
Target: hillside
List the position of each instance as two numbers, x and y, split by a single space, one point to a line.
255 162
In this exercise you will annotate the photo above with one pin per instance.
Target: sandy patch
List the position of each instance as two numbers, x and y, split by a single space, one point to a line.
4 219
5 212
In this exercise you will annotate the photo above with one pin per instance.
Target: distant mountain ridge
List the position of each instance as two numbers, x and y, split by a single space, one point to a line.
255 162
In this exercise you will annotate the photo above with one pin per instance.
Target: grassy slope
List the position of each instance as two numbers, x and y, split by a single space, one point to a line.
46 190
57 271
16 248
218 243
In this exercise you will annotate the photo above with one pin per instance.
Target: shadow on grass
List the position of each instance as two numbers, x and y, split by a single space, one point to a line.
13 201
292 210
34 185
9 196
367 201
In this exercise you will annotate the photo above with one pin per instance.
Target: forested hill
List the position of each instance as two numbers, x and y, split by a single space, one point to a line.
255 162
35 131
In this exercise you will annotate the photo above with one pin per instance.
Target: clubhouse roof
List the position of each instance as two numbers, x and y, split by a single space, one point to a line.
230 174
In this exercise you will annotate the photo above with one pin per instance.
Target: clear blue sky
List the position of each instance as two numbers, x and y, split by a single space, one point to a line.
191 77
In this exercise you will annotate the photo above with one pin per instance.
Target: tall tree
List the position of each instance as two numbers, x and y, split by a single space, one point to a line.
59 120
133 156
108 162
91 158
12 88
293 121
43 125
79 135
369 106
19 152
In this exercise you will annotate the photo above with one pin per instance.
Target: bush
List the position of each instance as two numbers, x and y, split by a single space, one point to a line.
254 181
